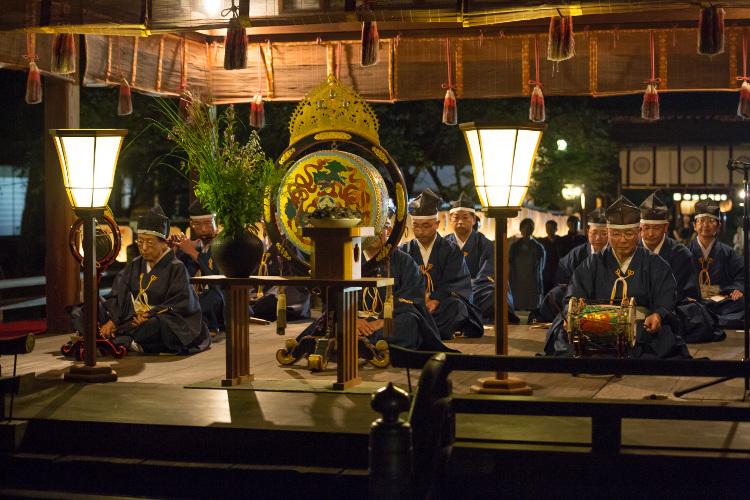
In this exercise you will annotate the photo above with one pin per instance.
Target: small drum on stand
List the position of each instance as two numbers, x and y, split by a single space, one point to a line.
605 326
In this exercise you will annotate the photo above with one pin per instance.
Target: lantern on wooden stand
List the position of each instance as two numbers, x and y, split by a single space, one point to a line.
502 158
88 158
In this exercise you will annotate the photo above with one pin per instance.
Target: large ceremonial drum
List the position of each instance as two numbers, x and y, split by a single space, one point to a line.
601 322
330 178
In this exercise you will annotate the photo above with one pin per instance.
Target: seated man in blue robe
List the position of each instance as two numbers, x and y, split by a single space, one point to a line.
196 255
625 270
264 304
552 304
693 321
719 266
448 282
413 326
479 253
152 307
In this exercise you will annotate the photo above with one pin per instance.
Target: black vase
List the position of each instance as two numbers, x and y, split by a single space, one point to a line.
238 255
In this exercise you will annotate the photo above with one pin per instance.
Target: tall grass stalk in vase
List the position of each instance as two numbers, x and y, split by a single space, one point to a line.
234 180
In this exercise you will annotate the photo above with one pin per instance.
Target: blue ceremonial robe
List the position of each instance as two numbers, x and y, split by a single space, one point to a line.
413 326
694 322
725 270
568 242
653 287
172 300
552 303
479 253
210 297
297 297
448 281
525 264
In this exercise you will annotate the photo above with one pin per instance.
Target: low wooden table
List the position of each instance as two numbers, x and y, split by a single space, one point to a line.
237 318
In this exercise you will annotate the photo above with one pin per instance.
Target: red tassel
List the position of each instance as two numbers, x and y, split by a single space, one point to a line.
450 114
743 109
63 54
34 85
257 114
370 55
370 44
186 100
650 109
711 31
561 44
125 106
536 110
235 46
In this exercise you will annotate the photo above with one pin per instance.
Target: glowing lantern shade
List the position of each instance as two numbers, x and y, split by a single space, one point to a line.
88 158
502 157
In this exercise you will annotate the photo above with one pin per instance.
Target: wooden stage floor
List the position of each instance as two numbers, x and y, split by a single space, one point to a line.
150 389
524 340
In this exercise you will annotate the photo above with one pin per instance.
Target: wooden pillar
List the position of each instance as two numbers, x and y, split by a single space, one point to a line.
61 110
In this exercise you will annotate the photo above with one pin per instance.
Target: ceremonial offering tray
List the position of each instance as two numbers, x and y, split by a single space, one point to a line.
334 222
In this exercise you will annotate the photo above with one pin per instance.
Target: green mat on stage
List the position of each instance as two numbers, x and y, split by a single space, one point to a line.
290 386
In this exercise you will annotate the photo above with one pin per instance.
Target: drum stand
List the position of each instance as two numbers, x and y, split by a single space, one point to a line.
744 167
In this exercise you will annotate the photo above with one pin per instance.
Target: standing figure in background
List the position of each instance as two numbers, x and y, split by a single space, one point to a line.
526 261
447 279
719 268
551 244
738 241
684 232
196 255
573 238
479 253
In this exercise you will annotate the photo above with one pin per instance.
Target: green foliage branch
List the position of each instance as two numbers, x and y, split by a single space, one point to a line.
233 180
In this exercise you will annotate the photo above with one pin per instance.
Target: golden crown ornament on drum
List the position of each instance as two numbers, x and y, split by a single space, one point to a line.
333 106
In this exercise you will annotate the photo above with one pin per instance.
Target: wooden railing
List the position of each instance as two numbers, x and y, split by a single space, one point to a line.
436 453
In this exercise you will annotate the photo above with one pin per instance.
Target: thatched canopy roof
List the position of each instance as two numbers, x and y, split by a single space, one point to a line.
294 44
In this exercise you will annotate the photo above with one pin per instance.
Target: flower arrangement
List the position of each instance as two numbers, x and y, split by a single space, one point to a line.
234 179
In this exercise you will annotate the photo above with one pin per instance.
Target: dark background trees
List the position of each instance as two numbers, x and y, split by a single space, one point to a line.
428 152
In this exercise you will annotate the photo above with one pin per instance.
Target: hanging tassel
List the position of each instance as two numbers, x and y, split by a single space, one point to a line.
33 85
388 312
370 39
711 31
450 114
125 105
536 110
650 109
186 100
281 312
257 114
63 54
235 46
561 44
743 109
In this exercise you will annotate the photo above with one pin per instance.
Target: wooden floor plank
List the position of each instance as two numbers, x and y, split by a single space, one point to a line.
47 362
